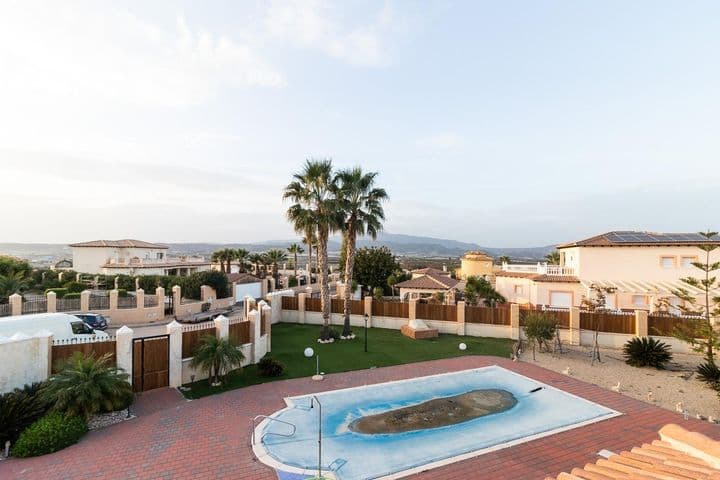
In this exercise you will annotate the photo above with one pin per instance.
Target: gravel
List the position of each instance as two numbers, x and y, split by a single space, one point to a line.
676 384
106 419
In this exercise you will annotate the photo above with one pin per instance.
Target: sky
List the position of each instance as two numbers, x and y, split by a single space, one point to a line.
508 124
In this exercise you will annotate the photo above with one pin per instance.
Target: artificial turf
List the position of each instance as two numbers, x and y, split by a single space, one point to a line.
385 347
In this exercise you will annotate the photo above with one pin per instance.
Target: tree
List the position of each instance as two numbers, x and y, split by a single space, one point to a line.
309 239
373 266
315 208
699 331
503 259
597 299
14 282
360 203
295 249
553 258
241 255
255 259
392 281
217 356
223 256
477 288
275 256
88 385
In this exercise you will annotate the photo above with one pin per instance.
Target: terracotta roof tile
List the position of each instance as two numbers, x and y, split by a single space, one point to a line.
126 243
536 277
241 278
431 270
429 282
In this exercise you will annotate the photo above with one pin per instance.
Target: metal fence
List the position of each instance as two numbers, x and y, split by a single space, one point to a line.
151 301
68 304
5 310
36 305
99 302
127 302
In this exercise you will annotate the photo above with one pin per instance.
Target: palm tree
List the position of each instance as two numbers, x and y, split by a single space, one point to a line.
361 205
13 282
255 259
275 256
223 256
241 255
316 209
310 239
295 249
503 259
217 356
477 288
553 258
85 386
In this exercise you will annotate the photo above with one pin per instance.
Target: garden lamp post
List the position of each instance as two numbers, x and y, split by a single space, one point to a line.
366 320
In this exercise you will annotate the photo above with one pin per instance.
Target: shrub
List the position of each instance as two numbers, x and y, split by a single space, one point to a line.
646 352
49 434
18 410
292 281
85 386
539 328
217 356
59 292
122 292
269 367
709 373
70 296
75 287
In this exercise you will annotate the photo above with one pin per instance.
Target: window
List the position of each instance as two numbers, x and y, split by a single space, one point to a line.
610 301
561 299
518 289
159 256
639 300
667 262
80 328
686 262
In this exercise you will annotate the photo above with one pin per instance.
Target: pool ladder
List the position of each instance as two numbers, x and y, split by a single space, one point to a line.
254 421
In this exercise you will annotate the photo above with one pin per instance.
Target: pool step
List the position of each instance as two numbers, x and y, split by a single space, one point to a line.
337 464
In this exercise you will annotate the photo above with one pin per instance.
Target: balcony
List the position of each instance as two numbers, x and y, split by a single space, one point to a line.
136 262
539 269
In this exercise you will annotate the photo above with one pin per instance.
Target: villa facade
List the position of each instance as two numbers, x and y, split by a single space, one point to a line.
132 257
642 268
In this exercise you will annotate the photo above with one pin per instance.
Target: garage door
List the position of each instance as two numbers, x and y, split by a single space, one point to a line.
561 299
244 289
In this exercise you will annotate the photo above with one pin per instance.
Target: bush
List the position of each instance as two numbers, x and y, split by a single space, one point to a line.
292 281
539 328
70 296
709 373
122 292
646 352
49 434
59 292
269 367
75 287
18 410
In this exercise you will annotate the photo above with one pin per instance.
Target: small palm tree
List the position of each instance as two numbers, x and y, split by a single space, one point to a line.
477 288
86 385
295 249
256 259
553 258
13 282
217 356
241 255
503 259
274 257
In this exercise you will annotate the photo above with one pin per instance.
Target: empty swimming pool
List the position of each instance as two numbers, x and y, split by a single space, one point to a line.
528 409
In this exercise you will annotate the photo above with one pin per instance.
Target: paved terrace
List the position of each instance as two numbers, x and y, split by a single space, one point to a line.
210 437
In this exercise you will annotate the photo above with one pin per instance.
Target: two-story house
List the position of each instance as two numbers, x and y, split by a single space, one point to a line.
132 257
642 269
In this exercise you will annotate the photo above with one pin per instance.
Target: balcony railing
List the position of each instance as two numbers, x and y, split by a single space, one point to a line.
135 261
539 268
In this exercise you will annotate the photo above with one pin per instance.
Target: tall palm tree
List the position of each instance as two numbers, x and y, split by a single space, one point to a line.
241 255
275 256
294 249
223 256
315 208
503 259
310 239
553 258
360 202
256 259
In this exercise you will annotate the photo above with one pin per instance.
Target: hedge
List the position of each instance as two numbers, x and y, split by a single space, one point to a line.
59 292
51 433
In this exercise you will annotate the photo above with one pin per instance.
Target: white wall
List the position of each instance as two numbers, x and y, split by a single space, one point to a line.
253 290
24 360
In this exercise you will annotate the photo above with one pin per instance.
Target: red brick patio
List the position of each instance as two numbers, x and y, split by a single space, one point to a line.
210 437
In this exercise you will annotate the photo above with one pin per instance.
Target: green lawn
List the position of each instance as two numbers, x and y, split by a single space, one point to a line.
385 347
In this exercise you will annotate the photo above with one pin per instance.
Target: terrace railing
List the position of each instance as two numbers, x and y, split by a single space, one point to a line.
36 305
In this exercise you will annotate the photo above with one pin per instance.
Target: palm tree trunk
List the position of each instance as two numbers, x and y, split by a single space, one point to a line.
349 265
295 267
323 279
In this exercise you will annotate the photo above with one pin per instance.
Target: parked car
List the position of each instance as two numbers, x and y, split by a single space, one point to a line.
95 320
62 326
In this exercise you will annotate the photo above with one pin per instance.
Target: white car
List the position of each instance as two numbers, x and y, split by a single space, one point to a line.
62 326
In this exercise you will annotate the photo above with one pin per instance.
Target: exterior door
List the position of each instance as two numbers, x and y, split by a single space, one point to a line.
561 299
151 363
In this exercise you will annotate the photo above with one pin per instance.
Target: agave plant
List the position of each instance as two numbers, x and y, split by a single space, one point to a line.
86 385
18 410
709 373
646 352
217 356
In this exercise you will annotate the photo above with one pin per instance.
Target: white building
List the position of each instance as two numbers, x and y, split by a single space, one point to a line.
132 257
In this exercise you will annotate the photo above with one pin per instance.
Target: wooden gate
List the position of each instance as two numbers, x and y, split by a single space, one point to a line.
151 363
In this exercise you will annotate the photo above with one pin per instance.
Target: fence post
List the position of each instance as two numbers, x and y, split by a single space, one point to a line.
265 317
114 299
249 305
222 327
85 301
123 349
641 323
174 329
515 321
254 318
276 306
177 299
574 326
51 302
301 307
137 283
160 296
45 343
412 309
139 298
368 309
16 302
460 306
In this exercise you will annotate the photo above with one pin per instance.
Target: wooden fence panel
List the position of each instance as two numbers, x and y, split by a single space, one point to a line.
63 352
607 322
151 366
489 315
432 311
390 309
660 324
191 339
357 307
289 303
240 332
313 305
562 317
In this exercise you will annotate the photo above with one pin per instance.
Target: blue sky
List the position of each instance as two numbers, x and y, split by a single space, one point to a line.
501 123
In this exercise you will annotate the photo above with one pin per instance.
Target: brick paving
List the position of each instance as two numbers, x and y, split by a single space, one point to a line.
210 437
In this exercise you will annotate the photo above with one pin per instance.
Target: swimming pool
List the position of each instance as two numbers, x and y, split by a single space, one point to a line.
349 455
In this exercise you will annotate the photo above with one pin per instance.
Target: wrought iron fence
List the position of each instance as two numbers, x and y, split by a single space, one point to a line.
99 302
36 305
5 310
127 302
68 304
151 301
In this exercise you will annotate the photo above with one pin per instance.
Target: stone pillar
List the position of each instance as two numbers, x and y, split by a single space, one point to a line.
412 309
574 326
265 317
160 295
85 301
515 321
114 299
222 327
137 283
174 329
207 293
249 305
139 298
301 307
340 289
51 302
124 348
460 317
254 318
177 299
45 342
116 282
641 323
78 276
16 302
276 306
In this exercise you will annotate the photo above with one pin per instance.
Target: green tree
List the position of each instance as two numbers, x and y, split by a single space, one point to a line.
310 240
86 385
503 259
373 266
477 288
217 356
553 258
360 202
255 259
315 208
224 256
295 249
275 256
13 282
392 281
241 255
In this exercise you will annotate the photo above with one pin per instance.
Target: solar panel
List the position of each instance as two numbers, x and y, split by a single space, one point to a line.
648 237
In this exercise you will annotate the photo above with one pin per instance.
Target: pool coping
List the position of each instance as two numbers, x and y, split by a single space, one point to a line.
263 455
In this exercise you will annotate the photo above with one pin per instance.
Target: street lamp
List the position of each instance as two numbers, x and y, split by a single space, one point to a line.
366 320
